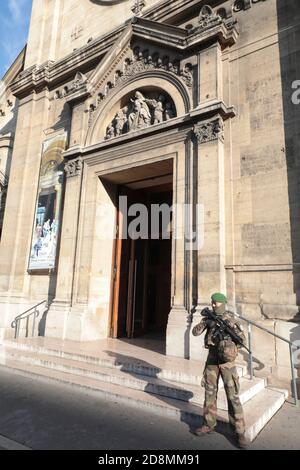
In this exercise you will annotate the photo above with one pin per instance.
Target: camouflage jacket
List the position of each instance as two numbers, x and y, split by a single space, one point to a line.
210 331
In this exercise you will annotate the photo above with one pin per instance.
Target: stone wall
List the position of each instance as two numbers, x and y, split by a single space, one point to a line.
60 26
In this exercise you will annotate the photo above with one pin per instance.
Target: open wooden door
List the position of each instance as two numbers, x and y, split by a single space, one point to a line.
142 274
118 276
129 305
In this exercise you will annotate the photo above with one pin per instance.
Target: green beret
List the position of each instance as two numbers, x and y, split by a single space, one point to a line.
218 297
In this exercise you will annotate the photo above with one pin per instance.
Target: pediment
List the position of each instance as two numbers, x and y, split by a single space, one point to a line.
147 45
178 42
135 52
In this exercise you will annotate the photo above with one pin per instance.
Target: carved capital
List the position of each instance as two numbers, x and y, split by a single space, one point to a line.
74 168
209 130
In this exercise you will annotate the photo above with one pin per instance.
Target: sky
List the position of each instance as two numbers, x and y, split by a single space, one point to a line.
14 21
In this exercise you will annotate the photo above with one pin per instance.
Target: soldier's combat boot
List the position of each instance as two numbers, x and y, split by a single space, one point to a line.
203 430
242 441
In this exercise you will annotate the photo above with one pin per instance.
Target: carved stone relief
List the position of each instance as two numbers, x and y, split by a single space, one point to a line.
141 112
73 168
208 18
209 130
138 62
78 83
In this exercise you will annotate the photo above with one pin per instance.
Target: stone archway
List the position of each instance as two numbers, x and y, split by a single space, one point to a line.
153 84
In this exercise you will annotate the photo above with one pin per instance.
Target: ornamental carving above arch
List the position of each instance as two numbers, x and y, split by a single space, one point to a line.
146 101
133 63
141 110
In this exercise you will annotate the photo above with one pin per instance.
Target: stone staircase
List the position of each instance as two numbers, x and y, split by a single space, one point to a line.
166 386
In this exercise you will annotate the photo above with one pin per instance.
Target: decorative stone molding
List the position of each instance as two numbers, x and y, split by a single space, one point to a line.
78 82
140 113
139 61
74 168
135 62
209 130
138 7
79 88
208 18
177 41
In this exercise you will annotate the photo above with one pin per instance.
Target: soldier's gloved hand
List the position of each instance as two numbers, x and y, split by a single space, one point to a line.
205 312
209 323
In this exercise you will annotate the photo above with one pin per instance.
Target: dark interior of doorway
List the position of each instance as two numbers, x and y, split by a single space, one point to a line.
145 273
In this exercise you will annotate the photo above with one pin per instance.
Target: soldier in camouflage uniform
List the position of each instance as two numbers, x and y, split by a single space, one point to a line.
214 368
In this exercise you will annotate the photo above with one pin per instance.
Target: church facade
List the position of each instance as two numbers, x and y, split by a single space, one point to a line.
127 106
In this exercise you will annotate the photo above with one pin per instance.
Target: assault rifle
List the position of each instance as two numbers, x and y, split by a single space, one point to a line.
223 329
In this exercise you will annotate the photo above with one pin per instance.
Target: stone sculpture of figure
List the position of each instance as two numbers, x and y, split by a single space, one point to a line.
120 121
140 116
158 106
187 74
169 113
110 132
141 113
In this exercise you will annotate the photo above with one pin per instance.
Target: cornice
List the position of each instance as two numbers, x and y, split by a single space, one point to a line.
173 126
170 9
51 73
172 131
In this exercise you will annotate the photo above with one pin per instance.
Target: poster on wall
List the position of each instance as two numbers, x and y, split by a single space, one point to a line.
48 208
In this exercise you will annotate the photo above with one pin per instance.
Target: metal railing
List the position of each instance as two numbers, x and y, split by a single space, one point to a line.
31 312
290 343
3 179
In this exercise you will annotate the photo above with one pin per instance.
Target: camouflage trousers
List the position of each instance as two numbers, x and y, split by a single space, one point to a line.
210 382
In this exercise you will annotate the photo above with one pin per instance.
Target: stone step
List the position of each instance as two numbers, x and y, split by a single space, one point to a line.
181 371
258 411
154 385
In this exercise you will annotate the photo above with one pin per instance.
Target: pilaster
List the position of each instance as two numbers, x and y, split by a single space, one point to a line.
60 308
210 259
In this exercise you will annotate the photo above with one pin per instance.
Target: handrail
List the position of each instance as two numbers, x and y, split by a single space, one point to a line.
290 343
3 179
25 315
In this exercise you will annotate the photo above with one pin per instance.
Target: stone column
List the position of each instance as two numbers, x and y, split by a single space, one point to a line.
178 324
211 254
59 310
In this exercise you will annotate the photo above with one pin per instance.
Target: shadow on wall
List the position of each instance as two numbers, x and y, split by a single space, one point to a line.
42 322
64 119
9 128
288 14
50 297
